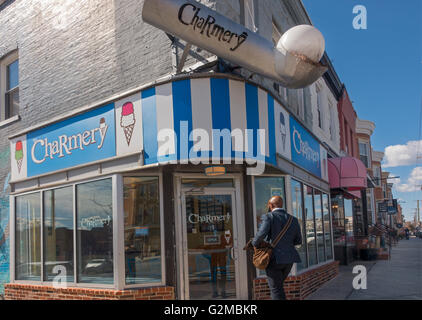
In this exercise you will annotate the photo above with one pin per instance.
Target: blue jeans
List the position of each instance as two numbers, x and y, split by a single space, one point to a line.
276 274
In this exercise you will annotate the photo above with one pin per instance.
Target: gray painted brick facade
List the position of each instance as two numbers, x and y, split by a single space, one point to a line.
80 52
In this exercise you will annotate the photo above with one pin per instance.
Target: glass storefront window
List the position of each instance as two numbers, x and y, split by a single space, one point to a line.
95 232
28 237
58 234
265 188
310 226
327 227
319 225
297 206
142 230
348 215
337 212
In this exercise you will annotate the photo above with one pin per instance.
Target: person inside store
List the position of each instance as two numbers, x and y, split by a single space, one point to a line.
284 254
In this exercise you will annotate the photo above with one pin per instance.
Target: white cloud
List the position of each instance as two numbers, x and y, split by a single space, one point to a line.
413 183
402 155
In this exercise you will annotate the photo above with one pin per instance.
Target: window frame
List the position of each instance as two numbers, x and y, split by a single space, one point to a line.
121 233
304 239
320 196
287 187
4 63
318 264
368 156
254 213
118 234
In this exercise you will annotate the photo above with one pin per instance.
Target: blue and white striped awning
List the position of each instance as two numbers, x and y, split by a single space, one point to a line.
207 105
195 120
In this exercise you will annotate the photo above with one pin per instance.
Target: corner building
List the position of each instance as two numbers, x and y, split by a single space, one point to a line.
109 192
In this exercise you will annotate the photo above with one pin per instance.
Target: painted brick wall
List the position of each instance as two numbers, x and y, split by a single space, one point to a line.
32 292
71 54
301 286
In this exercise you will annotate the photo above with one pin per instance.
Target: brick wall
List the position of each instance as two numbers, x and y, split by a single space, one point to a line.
36 292
301 286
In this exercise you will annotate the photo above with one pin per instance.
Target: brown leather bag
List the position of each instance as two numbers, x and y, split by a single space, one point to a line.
262 255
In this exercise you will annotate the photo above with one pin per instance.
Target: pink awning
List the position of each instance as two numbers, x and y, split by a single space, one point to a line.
347 173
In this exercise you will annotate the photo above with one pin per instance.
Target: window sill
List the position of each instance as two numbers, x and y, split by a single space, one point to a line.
9 121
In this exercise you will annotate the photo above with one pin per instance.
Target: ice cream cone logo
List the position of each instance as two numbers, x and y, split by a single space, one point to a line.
19 155
283 130
127 121
103 127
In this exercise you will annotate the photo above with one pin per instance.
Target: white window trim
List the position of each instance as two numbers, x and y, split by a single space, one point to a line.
118 235
3 75
120 232
368 165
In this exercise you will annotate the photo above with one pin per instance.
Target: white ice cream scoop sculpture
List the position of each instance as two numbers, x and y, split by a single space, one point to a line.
294 62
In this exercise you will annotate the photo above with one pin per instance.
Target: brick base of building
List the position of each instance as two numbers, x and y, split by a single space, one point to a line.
300 286
13 291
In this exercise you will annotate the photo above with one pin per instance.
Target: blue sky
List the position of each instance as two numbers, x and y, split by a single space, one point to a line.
382 70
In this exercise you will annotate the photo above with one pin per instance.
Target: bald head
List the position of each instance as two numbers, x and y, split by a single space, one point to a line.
275 203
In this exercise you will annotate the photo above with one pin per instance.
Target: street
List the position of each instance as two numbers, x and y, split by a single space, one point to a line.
399 278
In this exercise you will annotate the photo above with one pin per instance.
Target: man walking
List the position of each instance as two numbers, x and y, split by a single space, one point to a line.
284 254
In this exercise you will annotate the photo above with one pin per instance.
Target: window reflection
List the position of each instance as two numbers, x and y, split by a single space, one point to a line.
310 226
95 232
58 233
337 212
298 213
265 188
327 227
28 235
348 212
319 225
142 230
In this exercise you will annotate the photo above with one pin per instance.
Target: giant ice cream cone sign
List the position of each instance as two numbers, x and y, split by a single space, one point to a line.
127 120
294 61
19 154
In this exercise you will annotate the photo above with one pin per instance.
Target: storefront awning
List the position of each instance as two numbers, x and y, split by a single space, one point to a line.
347 173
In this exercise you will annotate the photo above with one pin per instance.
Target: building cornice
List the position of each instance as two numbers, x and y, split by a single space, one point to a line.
377 156
365 127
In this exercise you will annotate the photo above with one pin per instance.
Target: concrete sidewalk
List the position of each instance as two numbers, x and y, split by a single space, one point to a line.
399 278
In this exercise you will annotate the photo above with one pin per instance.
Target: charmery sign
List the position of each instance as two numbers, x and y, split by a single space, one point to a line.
98 134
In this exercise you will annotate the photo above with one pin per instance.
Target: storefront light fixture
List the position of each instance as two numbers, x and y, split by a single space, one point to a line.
213 171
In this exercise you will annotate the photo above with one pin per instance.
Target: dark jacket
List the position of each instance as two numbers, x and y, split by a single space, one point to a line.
272 224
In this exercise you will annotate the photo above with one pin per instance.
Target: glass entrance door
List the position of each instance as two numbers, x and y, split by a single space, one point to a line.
210 246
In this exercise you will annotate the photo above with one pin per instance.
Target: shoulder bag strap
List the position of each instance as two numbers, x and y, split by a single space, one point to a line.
283 231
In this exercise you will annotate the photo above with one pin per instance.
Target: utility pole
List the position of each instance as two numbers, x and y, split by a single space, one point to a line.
418 216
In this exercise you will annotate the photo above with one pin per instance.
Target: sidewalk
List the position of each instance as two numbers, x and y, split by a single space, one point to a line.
399 278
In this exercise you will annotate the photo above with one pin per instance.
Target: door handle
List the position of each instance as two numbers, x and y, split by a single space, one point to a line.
232 251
